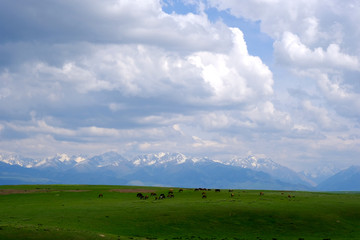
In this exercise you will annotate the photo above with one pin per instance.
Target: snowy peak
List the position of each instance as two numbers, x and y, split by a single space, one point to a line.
270 167
345 180
159 159
320 174
58 161
114 163
109 159
18 160
254 163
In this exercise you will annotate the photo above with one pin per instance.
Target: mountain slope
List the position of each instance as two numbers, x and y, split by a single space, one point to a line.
272 168
161 169
205 174
345 180
319 174
17 160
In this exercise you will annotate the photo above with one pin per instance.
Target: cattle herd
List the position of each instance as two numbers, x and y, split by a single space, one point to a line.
170 194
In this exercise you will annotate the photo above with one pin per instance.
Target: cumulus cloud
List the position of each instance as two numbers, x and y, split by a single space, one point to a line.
147 71
109 22
344 99
316 43
237 76
304 25
318 114
290 50
127 76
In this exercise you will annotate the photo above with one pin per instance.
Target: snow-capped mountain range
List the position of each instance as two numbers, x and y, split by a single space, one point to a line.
160 169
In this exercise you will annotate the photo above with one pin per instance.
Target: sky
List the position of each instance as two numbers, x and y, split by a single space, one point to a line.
216 78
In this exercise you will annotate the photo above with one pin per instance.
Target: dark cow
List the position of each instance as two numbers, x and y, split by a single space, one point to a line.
153 194
232 195
204 196
139 195
217 190
162 196
100 195
230 190
261 194
181 190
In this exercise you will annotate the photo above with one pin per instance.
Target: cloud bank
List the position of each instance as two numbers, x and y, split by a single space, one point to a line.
92 76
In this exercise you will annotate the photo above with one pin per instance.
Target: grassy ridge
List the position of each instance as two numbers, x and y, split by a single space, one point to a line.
54 212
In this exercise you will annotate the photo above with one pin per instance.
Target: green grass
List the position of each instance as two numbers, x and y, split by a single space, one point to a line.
61 214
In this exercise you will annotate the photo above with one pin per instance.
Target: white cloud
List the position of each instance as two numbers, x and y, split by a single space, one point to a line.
4 92
290 50
119 22
40 127
342 97
276 16
236 77
320 115
327 30
147 71
201 143
124 75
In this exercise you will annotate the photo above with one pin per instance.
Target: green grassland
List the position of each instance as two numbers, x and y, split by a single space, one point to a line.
76 212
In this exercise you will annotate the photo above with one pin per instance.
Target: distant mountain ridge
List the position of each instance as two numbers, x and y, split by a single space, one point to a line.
160 169
270 167
345 180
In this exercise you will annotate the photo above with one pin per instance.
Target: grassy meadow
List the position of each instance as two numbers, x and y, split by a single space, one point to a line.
76 212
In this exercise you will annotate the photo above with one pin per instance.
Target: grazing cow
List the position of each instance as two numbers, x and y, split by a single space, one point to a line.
181 190
162 196
146 197
261 194
230 190
232 195
170 195
153 194
100 195
217 190
204 196
139 195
